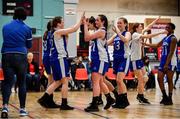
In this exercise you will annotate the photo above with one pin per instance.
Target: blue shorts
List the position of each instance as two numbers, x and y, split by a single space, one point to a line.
170 67
137 64
99 66
47 65
60 68
121 65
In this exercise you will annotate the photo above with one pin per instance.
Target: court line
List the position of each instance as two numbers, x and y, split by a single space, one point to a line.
87 112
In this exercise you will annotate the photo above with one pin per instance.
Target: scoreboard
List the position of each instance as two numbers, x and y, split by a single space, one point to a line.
10 5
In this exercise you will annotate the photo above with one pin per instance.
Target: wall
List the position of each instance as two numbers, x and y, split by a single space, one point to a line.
43 11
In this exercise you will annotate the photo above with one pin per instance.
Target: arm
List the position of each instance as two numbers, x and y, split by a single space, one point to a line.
29 38
172 49
110 40
69 30
88 36
150 25
153 45
153 35
125 38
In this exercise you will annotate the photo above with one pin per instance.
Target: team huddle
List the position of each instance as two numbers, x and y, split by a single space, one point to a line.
127 55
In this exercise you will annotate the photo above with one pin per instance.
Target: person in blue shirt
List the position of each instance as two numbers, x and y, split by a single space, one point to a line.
17 37
177 72
168 62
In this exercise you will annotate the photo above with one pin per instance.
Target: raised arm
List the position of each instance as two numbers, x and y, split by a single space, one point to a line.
69 30
150 25
125 38
153 45
88 36
154 34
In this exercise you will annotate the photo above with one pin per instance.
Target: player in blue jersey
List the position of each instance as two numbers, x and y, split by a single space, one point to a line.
46 61
168 62
137 64
121 59
99 61
59 63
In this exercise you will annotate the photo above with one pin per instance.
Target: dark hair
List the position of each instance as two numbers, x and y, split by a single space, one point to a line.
20 13
104 18
55 21
49 25
135 26
49 28
92 20
172 26
125 21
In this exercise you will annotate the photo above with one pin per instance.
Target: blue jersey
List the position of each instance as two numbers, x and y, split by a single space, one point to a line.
121 50
166 50
47 45
99 49
58 48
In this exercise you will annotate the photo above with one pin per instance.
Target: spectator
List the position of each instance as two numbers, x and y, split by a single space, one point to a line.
32 76
177 72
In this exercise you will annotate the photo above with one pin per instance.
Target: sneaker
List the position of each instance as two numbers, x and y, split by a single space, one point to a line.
4 113
23 112
142 100
66 107
109 103
92 108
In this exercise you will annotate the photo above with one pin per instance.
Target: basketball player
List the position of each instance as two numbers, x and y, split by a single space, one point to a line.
99 61
136 57
168 62
59 61
46 61
121 59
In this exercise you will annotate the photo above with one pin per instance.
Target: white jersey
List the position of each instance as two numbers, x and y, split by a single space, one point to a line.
59 48
136 52
99 49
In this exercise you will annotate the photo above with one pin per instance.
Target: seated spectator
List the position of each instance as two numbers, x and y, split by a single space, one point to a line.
32 76
151 81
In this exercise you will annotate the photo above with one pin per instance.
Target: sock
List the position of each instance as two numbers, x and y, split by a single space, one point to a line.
164 93
64 101
95 100
115 93
170 95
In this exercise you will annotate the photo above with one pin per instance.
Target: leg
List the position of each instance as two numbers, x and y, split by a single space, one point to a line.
177 77
64 104
170 85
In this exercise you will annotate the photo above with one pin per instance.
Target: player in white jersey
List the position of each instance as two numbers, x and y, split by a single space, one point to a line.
92 27
99 61
168 62
121 59
59 61
136 57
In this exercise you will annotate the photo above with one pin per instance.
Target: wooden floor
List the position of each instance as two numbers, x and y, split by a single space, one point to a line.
80 99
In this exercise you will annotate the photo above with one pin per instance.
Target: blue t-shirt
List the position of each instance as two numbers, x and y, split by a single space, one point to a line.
17 37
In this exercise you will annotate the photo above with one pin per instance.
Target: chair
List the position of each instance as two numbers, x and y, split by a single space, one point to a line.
81 74
110 75
1 74
129 76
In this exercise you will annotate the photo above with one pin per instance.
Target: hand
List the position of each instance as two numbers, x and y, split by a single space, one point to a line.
164 32
115 30
143 43
83 18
